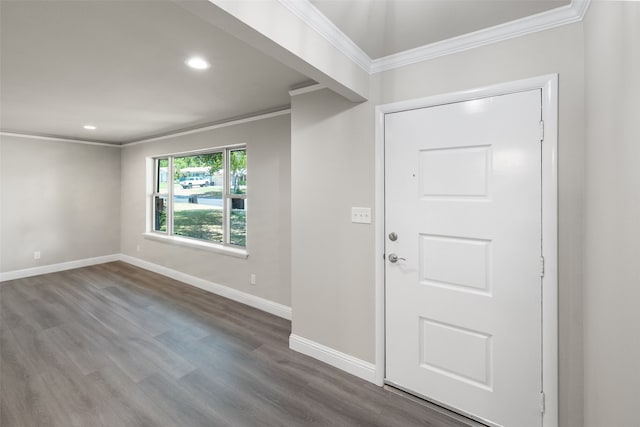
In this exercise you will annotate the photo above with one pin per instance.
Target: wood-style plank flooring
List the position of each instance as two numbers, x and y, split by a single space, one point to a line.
113 345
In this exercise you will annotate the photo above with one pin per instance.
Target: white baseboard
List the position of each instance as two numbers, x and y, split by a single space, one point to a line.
274 308
53 268
335 358
271 307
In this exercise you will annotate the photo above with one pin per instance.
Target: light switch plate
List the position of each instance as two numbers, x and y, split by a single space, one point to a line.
361 215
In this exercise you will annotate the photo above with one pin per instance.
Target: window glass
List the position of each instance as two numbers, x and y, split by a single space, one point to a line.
238 220
238 174
160 213
162 175
203 199
197 200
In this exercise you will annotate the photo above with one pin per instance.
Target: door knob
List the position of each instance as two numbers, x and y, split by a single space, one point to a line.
394 258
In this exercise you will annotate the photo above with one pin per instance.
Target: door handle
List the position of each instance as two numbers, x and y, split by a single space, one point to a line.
394 258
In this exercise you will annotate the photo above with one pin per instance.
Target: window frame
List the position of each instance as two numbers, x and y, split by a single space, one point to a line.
157 193
168 235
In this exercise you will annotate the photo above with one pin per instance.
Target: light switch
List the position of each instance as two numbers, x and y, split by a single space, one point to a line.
361 215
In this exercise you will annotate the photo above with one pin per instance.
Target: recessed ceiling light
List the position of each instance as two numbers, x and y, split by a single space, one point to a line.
197 63
89 127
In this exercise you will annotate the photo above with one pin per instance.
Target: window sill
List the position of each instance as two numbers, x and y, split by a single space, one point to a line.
190 243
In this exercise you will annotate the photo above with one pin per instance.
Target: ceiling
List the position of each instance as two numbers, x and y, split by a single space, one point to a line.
120 65
384 27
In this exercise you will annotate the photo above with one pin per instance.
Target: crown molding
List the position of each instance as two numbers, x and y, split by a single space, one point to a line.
232 122
309 14
573 12
315 19
58 139
306 89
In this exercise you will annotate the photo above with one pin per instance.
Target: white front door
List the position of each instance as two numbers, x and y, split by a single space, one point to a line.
463 297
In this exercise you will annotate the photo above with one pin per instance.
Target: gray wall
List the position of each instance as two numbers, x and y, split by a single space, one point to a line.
65 200
333 261
268 213
59 198
332 276
612 232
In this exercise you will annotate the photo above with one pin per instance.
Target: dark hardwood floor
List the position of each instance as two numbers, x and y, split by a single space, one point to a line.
114 345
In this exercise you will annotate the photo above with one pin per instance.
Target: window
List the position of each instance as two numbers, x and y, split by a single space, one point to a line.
202 196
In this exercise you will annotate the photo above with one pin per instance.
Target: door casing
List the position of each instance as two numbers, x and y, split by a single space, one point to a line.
549 86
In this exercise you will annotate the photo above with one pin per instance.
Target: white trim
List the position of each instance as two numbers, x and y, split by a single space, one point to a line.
271 307
549 86
310 15
195 152
54 268
197 244
315 19
212 127
225 247
564 15
580 8
379 274
335 358
57 139
550 350
233 122
307 89
254 301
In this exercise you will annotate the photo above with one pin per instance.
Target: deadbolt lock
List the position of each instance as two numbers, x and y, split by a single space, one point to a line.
393 236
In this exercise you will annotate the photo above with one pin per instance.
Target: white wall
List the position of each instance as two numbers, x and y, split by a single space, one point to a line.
59 198
268 213
333 262
612 229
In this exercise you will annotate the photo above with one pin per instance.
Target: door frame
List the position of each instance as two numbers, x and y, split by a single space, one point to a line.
549 86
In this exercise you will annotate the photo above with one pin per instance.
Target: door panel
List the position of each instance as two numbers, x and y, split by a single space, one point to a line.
463 302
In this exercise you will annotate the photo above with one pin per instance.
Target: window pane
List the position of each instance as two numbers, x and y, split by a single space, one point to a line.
197 201
203 170
160 213
238 217
162 175
238 171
